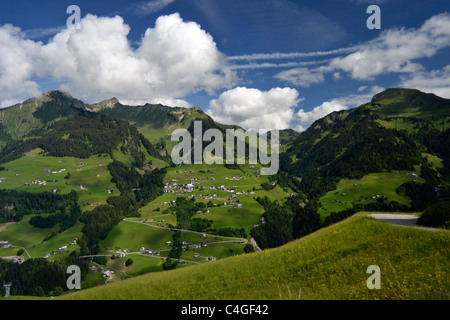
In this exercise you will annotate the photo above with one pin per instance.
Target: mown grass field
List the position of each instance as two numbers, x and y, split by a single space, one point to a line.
32 239
223 216
132 235
24 234
90 173
328 264
352 191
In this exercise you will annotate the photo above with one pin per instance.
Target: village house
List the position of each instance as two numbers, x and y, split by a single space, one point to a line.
107 274
19 260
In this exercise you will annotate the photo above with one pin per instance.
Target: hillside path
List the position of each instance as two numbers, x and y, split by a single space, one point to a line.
255 245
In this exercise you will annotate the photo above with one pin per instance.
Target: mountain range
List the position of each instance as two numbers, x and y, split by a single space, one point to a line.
390 154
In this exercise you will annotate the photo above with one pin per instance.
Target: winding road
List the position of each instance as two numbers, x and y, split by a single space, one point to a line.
406 220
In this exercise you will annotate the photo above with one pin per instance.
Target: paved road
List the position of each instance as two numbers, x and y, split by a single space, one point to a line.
14 246
398 219
407 220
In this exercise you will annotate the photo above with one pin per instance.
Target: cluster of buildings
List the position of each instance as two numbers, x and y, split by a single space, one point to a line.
178 188
14 259
53 172
262 220
61 249
185 171
235 178
108 274
38 182
18 260
149 252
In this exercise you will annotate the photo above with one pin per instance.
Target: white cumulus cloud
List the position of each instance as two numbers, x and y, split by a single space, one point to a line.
305 118
255 109
393 51
436 81
16 65
174 59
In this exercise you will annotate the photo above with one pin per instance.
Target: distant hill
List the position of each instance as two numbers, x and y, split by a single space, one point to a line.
19 120
394 131
61 125
155 121
391 154
409 103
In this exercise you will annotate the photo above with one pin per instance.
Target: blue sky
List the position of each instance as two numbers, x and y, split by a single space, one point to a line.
262 64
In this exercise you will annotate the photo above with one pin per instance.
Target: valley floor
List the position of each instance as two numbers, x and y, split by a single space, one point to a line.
331 264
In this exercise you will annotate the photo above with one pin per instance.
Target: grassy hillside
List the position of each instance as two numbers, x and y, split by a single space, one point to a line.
409 103
34 239
154 121
91 173
366 190
398 130
329 264
19 120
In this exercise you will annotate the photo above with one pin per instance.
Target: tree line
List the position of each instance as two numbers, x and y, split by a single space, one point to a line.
15 204
39 276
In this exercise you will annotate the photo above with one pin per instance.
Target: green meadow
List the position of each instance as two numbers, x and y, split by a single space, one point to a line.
23 234
328 264
32 239
132 235
436 162
223 216
365 190
91 173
